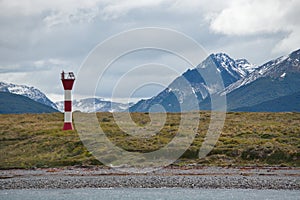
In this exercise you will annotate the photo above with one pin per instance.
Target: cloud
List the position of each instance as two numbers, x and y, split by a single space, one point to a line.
116 9
290 42
34 7
52 12
73 11
35 66
195 6
40 38
42 74
242 18
249 17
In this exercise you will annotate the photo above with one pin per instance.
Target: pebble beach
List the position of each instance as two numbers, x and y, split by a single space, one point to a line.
171 177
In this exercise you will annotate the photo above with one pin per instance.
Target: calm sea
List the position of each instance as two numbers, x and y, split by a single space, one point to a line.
151 193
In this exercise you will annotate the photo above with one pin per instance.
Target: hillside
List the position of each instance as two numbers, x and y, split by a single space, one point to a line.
13 103
248 139
281 104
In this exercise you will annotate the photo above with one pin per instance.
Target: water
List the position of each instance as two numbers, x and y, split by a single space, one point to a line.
151 193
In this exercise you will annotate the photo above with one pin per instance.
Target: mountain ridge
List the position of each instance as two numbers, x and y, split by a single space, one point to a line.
266 69
27 91
277 78
243 88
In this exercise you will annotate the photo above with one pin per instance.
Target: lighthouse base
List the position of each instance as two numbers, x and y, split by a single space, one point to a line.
68 126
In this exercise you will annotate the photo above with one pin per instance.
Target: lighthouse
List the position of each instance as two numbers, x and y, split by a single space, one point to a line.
68 81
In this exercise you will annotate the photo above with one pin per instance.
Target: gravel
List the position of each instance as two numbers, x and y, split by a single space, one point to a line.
205 177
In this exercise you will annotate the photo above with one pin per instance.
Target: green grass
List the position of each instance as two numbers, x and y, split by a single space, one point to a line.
256 139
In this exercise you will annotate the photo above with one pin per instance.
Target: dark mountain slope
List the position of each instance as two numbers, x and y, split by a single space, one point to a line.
13 103
290 103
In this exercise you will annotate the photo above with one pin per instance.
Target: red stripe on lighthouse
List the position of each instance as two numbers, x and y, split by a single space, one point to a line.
68 126
68 106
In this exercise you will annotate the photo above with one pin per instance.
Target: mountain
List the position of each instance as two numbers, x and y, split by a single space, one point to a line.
273 68
27 91
95 104
273 86
191 84
272 80
229 67
14 103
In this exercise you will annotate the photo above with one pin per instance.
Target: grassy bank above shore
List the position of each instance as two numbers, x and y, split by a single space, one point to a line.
36 140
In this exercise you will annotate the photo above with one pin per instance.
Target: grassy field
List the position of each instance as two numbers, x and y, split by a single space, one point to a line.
247 139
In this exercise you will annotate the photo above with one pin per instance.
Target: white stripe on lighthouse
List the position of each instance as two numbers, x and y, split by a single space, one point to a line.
68 116
68 96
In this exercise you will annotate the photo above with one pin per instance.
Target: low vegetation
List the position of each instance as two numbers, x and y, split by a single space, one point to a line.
247 139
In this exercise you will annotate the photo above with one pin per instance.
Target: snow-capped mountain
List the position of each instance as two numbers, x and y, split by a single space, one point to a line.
277 68
267 88
191 83
95 105
247 87
27 91
244 65
239 68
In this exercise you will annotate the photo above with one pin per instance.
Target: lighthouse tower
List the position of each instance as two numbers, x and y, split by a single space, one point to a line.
68 81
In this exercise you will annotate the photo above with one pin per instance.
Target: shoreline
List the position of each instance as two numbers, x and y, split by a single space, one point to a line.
286 178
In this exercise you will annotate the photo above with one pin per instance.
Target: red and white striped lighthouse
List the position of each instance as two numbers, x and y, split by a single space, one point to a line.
68 81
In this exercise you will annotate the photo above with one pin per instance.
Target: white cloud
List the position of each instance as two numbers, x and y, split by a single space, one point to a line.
289 43
250 17
242 18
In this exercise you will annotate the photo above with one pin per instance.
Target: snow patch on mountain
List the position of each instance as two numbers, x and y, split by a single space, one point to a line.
282 75
244 65
237 68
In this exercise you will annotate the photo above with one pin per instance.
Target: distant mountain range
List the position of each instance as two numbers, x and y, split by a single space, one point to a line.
83 105
271 87
14 103
247 87
95 105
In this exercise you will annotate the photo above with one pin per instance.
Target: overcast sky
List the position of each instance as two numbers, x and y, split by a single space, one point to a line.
40 38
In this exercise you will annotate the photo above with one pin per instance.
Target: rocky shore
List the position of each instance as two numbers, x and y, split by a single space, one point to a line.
201 177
